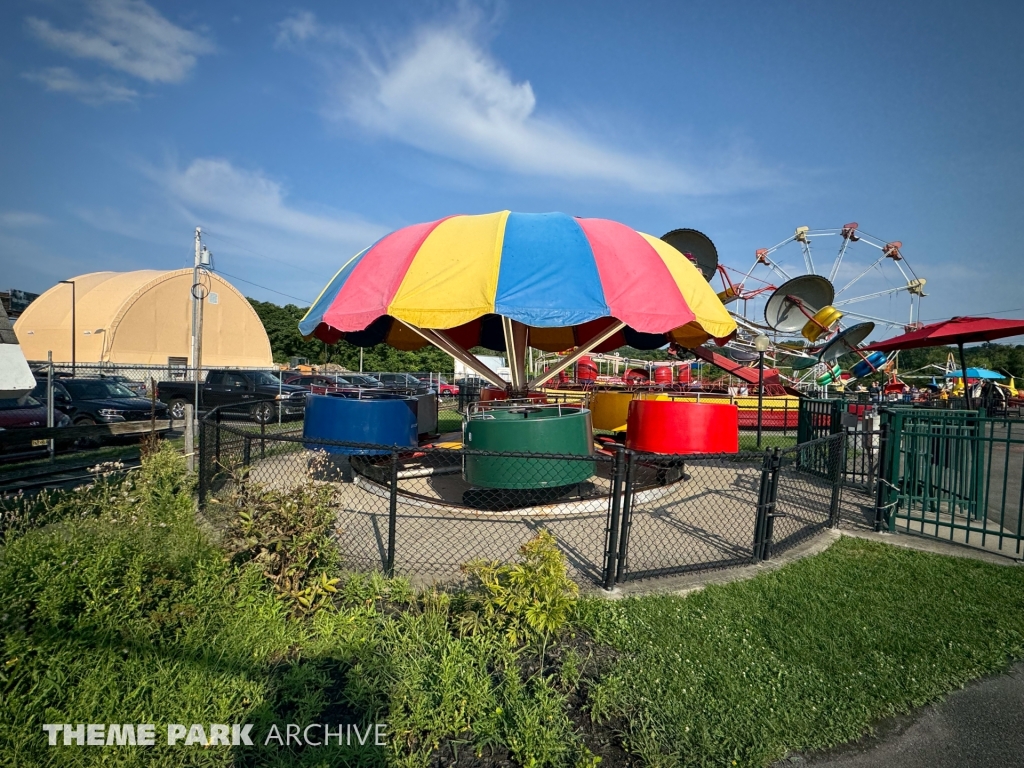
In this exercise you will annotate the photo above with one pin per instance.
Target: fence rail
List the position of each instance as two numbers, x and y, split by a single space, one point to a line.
953 475
618 515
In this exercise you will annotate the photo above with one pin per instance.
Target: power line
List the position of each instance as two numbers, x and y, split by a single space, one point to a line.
307 302
999 312
237 244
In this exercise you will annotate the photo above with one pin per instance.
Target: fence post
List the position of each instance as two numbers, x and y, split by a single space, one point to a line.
216 440
201 465
773 495
884 475
246 451
627 518
389 569
263 439
760 520
612 531
837 463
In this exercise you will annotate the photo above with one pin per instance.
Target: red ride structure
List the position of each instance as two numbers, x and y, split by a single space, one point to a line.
681 427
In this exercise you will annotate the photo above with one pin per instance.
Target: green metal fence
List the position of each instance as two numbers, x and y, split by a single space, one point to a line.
818 418
954 475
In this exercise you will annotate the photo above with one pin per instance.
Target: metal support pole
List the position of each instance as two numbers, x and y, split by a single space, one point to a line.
246 451
760 395
389 568
203 448
963 372
612 532
49 401
190 439
773 495
263 439
837 462
760 520
216 441
627 519
881 495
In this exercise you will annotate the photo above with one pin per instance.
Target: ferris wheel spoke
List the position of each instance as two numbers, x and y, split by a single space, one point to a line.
878 294
839 260
882 320
808 258
858 277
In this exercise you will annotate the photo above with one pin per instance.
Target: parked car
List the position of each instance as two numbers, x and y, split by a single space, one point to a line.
98 401
438 383
362 380
23 413
400 381
472 383
138 387
257 393
317 383
444 389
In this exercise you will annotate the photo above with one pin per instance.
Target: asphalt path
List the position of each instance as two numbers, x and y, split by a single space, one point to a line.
980 726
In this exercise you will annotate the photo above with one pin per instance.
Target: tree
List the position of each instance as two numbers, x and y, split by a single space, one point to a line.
282 327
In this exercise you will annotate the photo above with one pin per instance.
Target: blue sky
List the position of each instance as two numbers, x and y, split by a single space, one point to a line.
296 135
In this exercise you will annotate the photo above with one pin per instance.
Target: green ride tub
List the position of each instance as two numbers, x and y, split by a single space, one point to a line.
528 429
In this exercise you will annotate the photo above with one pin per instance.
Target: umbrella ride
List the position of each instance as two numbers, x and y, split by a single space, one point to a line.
509 281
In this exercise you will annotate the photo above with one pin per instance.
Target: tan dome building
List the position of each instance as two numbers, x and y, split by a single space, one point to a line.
143 318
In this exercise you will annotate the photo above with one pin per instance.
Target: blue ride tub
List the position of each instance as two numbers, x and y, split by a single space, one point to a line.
360 416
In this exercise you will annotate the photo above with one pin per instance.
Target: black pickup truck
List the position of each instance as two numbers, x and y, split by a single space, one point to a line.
257 393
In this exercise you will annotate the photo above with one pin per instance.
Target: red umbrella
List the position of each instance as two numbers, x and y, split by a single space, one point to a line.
956 330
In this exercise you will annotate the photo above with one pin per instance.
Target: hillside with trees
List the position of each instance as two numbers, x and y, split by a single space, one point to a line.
282 326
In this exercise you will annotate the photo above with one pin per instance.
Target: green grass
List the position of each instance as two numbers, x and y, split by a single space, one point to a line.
773 439
806 657
448 420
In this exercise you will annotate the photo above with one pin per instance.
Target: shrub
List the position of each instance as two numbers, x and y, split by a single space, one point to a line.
531 600
288 535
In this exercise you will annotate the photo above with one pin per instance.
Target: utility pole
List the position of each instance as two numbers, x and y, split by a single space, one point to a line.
199 292
197 308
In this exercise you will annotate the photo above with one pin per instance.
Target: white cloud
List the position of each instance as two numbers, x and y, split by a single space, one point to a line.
214 185
257 232
297 28
130 36
18 219
442 92
95 92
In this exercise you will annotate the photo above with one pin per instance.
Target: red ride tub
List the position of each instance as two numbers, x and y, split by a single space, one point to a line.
680 427
488 394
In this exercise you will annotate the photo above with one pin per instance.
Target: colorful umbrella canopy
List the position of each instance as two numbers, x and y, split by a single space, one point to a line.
566 279
975 373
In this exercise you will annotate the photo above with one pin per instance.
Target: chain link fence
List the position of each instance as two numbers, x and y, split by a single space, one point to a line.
618 515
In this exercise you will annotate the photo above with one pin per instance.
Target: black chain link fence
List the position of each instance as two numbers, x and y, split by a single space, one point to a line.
617 514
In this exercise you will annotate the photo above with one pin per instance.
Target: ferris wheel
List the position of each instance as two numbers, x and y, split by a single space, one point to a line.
819 294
